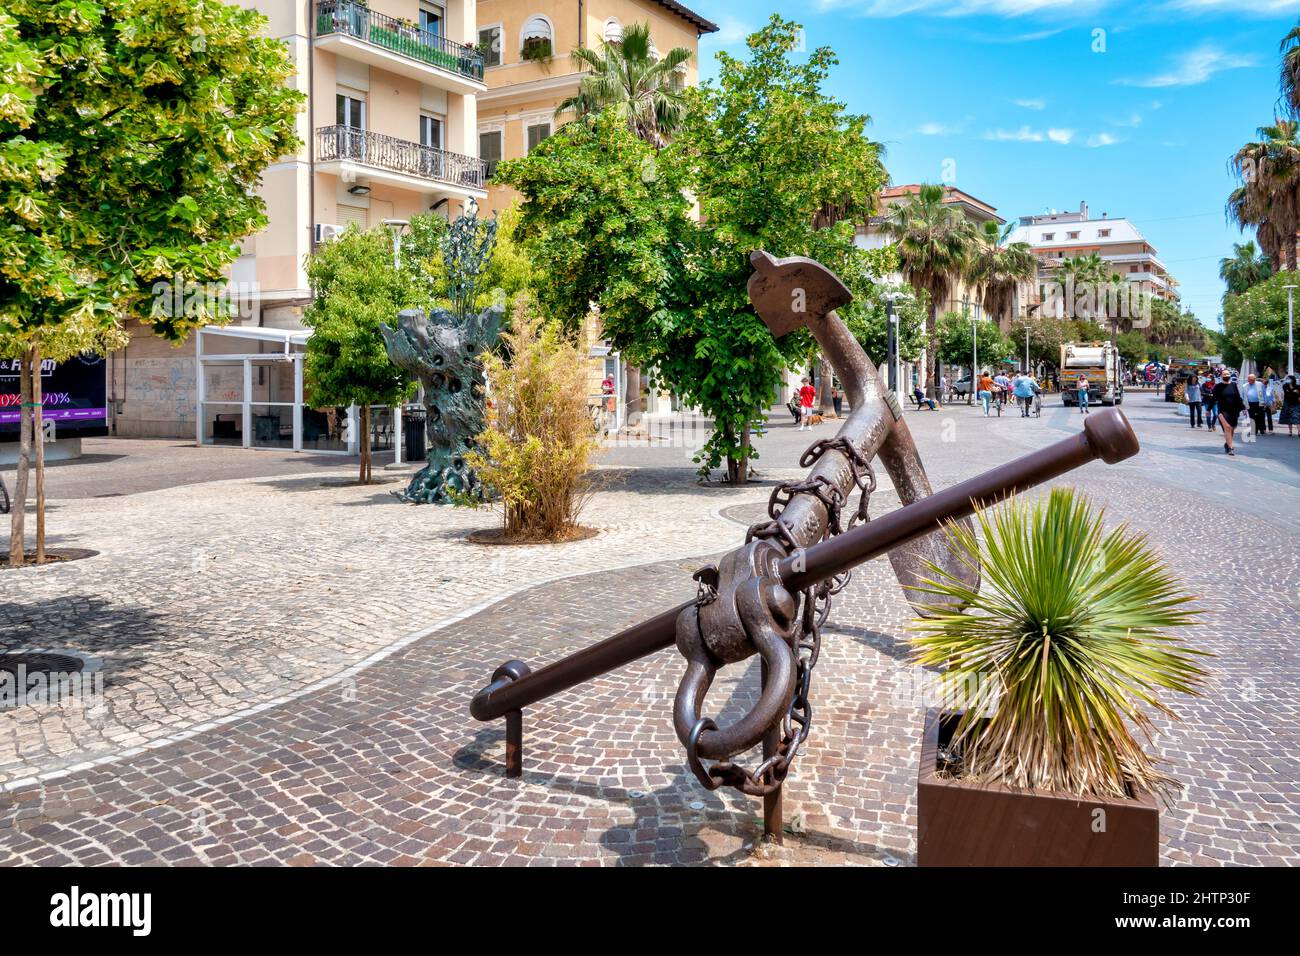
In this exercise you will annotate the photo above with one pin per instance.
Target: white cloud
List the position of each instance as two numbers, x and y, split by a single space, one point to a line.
1103 139
1193 67
1031 104
1026 134
1022 135
937 129
731 31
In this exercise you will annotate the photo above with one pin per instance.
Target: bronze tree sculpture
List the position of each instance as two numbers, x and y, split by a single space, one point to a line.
442 349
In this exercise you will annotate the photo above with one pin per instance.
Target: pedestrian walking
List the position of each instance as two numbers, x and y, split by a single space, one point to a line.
986 391
1082 386
1272 397
1193 395
1023 387
1253 394
1209 401
807 395
1290 414
1228 398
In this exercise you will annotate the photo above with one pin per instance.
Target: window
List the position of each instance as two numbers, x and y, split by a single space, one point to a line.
490 149
1103 233
431 19
536 133
430 131
1048 236
349 111
1071 235
613 31
489 41
536 39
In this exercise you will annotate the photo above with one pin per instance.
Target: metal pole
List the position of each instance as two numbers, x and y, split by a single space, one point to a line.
974 358
396 226
773 823
893 344
1290 330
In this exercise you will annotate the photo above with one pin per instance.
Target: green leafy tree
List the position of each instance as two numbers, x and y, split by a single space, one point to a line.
133 135
868 320
958 338
356 286
776 164
1255 323
629 79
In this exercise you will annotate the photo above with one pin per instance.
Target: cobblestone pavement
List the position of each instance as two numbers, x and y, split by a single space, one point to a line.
373 758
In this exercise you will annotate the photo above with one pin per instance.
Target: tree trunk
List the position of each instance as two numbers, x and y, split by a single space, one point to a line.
632 395
742 466
931 363
365 445
825 380
38 436
18 512
1290 254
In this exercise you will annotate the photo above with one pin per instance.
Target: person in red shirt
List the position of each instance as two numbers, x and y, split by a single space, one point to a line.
807 394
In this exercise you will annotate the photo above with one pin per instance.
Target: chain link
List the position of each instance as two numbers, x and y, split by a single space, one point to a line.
815 608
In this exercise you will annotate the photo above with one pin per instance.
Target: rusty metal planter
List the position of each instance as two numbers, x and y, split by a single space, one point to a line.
961 823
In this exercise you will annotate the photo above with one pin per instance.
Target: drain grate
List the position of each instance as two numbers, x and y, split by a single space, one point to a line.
40 662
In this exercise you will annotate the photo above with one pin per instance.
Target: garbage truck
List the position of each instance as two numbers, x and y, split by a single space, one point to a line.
1099 361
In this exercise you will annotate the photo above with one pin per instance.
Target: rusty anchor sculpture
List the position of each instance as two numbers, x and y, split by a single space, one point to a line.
771 595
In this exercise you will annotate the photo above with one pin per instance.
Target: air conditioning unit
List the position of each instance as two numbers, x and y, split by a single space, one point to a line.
326 231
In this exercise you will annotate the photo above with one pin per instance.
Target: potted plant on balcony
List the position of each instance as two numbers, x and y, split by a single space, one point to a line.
536 49
1049 669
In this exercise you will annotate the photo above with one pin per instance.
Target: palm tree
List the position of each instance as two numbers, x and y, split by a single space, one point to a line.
934 242
1089 282
1244 268
628 77
996 267
1268 200
1290 79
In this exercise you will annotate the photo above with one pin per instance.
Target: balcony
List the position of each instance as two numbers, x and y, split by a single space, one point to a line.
349 153
350 29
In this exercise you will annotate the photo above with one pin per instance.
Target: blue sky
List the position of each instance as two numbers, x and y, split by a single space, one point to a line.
1039 104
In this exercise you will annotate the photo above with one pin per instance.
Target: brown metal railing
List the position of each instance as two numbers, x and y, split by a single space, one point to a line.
398 155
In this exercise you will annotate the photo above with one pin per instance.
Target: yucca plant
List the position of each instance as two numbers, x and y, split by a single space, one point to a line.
1059 651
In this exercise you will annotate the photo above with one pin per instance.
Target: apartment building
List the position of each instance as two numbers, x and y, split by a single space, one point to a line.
390 130
1057 236
872 235
529 72
410 103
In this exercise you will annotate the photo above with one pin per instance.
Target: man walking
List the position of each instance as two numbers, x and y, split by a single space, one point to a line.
1252 393
1023 386
1193 396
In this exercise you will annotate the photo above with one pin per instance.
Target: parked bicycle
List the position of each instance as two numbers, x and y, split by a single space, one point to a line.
4 498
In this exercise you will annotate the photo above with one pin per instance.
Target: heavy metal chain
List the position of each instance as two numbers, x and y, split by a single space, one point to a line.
815 608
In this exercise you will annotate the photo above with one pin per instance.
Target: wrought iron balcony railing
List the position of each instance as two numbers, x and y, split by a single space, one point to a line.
345 18
398 156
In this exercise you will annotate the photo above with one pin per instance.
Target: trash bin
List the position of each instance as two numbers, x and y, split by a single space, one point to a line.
413 433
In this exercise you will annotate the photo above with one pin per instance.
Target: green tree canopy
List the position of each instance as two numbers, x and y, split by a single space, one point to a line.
132 140
1255 323
356 287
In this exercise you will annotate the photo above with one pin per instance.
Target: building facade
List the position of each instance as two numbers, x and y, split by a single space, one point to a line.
962 296
529 71
1058 236
410 104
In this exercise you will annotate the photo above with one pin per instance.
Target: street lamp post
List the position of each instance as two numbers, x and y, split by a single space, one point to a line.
1290 330
396 227
892 347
